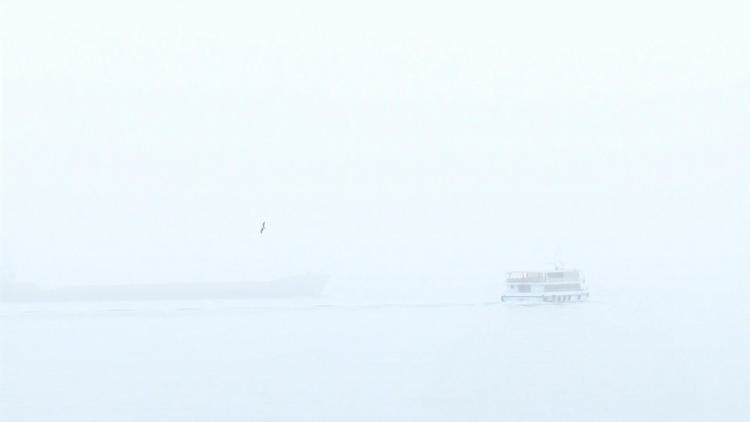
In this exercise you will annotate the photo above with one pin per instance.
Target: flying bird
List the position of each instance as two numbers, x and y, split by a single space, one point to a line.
263 227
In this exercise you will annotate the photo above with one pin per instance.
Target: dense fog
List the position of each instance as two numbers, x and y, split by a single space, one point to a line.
412 153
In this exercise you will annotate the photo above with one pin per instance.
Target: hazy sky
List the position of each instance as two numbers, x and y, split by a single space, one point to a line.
147 140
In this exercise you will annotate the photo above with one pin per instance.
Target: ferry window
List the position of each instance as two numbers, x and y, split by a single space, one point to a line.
524 289
562 287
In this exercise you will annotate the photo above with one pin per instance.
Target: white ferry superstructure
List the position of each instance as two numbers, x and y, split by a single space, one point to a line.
558 286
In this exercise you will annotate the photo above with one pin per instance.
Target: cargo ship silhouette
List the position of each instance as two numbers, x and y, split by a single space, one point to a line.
294 286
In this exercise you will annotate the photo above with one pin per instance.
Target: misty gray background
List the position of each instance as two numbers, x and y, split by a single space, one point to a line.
429 143
414 152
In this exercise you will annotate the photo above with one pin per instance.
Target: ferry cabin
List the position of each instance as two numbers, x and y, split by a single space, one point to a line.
548 286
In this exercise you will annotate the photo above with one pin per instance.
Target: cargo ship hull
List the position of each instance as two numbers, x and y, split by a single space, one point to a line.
288 287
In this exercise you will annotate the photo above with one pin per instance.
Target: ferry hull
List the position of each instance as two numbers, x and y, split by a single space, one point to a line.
539 299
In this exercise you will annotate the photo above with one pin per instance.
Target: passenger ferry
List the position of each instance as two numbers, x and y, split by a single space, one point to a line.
558 286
